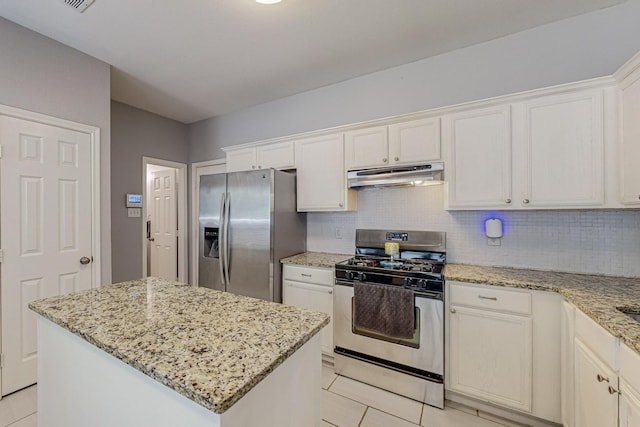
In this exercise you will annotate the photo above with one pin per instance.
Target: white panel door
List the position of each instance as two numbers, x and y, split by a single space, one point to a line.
629 406
594 406
366 148
414 142
563 150
630 141
278 156
479 167
164 225
244 159
312 297
45 231
490 356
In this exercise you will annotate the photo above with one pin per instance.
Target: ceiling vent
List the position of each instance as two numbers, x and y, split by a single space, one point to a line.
79 5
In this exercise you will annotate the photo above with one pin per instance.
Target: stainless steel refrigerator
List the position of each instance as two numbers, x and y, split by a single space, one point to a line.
248 222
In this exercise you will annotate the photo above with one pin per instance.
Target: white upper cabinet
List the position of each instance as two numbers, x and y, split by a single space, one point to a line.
561 145
479 168
366 148
279 155
406 143
414 142
630 139
543 153
321 176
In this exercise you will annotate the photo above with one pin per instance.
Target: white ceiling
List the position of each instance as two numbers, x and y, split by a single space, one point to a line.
194 59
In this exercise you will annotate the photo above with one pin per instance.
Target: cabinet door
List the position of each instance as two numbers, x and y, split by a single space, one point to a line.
321 175
312 297
414 142
594 405
366 148
241 160
277 156
629 406
479 168
562 159
490 356
630 141
566 361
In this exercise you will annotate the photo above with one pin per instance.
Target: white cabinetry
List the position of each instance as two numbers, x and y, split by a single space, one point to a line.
630 138
561 144
478 172
547 152
567 363
311 288
406 143
278 155
490 337
629 406
504 350
321 175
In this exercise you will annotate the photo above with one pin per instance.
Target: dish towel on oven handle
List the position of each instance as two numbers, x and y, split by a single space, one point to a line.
387 310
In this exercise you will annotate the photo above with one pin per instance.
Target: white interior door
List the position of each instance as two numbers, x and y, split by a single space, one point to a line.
164 225
45 223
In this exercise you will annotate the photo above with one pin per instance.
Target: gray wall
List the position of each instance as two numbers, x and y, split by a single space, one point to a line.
41 75
136 134
587 46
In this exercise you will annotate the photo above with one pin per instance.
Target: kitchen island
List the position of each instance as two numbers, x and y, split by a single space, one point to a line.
158 353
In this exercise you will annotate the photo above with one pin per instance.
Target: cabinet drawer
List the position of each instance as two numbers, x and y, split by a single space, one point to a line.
319 276
488 297
601 342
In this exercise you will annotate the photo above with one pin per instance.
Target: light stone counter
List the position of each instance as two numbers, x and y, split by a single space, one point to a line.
316 259
211 347
599 297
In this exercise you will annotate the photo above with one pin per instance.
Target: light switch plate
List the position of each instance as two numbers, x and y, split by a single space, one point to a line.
134 212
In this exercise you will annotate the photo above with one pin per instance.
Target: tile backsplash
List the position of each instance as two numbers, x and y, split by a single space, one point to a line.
592 241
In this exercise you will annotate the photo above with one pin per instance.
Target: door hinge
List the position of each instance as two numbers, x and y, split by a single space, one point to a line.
1 360
0 151
1 256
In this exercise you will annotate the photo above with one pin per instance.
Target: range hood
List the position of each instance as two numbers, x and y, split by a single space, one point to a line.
396 176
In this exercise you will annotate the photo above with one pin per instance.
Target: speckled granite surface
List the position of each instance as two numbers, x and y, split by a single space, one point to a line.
212 347
599 297
316 259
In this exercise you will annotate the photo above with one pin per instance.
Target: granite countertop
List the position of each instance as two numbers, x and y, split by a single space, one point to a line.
316 259
212 347
599 297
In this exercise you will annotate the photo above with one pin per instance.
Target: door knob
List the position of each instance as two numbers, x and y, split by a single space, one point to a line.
84 260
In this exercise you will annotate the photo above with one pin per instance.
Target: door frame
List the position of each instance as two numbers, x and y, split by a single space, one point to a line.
94 134
194 215
181 187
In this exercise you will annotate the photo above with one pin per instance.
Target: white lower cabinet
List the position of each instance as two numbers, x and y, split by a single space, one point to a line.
503 350
491 356
629 406
596 385
311 288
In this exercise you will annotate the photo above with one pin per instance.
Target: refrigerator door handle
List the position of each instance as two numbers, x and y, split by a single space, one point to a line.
226 239
221 239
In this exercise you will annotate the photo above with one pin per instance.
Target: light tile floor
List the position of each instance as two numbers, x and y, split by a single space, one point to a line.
345 403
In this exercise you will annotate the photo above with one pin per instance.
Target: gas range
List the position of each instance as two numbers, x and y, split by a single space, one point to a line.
418 265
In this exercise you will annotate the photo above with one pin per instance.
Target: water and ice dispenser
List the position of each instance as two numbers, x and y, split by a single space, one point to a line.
211 239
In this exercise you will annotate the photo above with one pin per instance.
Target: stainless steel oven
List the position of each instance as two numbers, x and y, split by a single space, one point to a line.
412 366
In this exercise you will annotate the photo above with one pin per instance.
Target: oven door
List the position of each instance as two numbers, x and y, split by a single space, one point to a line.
424 353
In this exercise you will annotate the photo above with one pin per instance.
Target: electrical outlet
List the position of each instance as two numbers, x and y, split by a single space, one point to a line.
134 212
338 232
493 241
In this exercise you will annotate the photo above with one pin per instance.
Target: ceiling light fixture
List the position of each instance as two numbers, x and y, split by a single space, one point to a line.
268 1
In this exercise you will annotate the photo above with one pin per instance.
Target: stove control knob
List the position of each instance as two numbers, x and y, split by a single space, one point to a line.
362 276
349 275
422 284
407 281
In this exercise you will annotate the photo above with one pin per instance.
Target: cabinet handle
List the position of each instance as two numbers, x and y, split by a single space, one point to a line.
259 167
491 298
601 378
384 160
507 201
253 166
453 310
613 390
340 204
525 201
638 197
396 158
330 291
305 275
